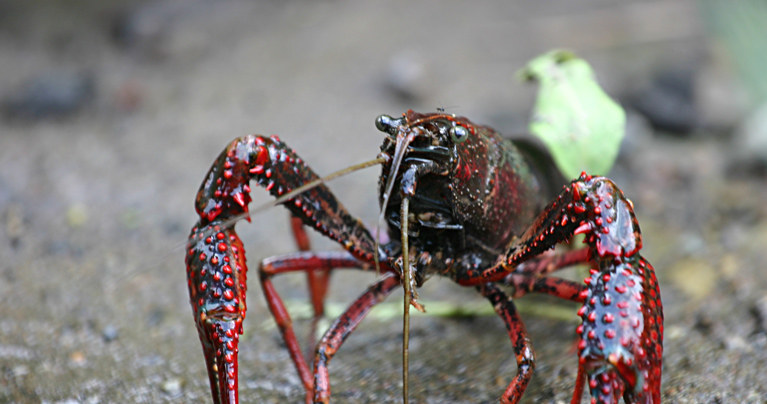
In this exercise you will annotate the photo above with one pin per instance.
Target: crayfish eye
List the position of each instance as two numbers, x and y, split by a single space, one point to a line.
458 133
385 123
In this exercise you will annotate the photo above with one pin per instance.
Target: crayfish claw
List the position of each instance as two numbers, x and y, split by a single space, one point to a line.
219 340
620 344
216 274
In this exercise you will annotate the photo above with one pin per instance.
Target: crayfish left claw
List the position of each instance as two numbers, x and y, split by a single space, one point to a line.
622 332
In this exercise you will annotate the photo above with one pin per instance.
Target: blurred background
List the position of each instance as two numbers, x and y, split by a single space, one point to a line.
111 113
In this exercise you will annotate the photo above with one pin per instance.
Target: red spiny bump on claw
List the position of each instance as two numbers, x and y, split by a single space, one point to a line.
608 216
621 331
225 189
217 295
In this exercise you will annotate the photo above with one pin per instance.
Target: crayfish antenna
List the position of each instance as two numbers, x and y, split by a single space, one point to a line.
408 296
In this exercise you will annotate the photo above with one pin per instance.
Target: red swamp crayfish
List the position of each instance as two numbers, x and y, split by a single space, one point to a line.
459 201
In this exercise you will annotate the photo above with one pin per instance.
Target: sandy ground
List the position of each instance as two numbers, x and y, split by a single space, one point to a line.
96 200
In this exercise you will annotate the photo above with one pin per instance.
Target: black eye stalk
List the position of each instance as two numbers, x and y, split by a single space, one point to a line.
387 124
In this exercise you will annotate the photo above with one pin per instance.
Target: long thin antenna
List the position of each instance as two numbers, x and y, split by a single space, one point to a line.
408 296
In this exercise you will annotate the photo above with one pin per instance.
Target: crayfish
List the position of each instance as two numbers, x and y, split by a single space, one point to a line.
458 201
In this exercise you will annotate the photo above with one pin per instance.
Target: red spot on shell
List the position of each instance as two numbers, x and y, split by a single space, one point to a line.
624 341
228 294
261 155
221 247
610 333
239 197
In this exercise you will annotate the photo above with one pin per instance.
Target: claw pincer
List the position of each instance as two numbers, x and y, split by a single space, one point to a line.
216 276
621 335
215 261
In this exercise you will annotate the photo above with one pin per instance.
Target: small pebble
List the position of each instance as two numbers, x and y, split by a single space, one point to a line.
172 387
77 358
109 333
77 215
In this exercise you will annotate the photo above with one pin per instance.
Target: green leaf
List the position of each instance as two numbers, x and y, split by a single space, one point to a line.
579 123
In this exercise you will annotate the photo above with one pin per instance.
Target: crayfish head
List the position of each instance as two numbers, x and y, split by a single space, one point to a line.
420 151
